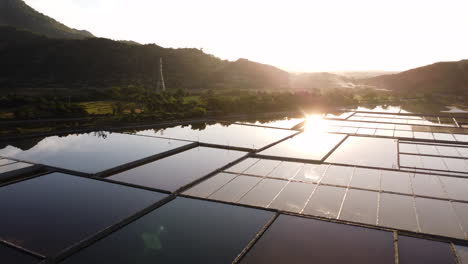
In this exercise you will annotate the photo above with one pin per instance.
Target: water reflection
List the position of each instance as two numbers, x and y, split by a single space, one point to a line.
315 125
91 152
282 123
306 146
380 108
223 134
152 240
54 211
181 231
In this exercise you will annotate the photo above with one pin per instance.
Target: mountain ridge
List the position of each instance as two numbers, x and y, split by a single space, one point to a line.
18 14
38 51
33 60
449 76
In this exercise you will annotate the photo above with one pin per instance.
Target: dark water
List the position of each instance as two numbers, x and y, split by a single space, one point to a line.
183 231
51 212
298 240
419 251
9 255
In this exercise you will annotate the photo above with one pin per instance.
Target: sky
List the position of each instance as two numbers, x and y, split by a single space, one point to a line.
294 35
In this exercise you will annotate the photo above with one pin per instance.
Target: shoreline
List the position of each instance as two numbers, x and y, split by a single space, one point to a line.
119 126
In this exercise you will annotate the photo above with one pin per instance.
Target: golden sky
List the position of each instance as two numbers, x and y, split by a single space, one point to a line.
295 35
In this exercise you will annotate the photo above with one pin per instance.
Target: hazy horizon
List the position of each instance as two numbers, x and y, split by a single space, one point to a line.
297 36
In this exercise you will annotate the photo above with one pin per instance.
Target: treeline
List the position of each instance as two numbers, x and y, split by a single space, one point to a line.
31 60
138 102
33 107
135 102
183 103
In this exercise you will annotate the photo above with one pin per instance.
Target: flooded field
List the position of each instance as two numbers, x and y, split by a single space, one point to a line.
238 189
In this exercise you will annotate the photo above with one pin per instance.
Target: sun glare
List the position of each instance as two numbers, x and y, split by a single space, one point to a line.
315 124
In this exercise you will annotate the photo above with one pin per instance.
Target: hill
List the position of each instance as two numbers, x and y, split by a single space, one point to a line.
18 14
30 60
445 77
34 61
320 80
245 74
39 52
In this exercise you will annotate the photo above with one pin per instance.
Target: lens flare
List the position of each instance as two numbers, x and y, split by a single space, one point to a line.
315 124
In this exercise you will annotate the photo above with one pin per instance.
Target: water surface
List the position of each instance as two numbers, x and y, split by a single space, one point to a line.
51 212
182 231
92 152
175 171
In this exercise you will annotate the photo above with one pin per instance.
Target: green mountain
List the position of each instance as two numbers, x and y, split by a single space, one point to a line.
245 74
444 77
30 60
17 14
39 52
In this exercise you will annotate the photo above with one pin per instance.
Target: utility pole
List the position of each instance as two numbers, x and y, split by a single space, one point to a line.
161 86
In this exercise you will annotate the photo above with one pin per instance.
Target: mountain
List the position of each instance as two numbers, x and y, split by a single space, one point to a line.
363 74
30 60
18 14
245 74
320 80
39 52
445 77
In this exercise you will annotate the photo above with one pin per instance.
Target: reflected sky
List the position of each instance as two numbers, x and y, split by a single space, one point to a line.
322 190
250 137
315 124
313 144
284 123
306 146
178 170
366 151
92 152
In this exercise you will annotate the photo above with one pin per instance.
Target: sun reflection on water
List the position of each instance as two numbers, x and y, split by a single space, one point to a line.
315 124
313 144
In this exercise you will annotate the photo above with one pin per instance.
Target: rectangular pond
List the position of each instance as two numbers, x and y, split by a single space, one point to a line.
89 153
232 135
49 213
182 231
175 171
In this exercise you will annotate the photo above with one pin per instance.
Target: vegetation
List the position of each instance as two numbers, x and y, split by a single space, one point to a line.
442 77
98 107
30 60
40 107
138 103
16 13
63 73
